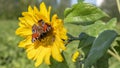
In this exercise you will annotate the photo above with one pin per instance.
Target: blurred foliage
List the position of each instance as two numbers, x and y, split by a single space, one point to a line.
110 7
10 55
11 9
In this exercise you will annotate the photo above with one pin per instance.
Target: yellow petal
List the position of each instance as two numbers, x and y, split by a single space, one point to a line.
39 49
26 14
54 23
60 43
36 10
25 42
47 56
36 13
31 52
29 21
29 47
56 53
62 33
43 9
30 15
40 57
24 31
22 22
26 21
30 9
49 10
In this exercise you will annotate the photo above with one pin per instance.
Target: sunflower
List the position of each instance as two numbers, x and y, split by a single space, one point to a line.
47 41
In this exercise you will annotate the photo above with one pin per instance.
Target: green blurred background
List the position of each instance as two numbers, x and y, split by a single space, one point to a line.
13 57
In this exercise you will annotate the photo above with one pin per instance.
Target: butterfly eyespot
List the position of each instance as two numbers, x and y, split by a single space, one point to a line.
33 30
33 39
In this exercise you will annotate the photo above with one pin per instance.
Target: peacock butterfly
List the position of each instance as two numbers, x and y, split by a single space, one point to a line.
40 31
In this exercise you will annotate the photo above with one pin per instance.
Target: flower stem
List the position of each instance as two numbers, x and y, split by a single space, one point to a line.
71 38
114 55
114 51
118 5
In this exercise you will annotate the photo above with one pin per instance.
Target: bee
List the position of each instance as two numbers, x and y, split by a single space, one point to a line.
40 31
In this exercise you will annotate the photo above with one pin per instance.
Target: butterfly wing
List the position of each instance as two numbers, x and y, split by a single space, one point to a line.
35 33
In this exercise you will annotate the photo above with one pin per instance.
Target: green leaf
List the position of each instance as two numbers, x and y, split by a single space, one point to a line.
56 64
103 62
99 26
92 30
100 46
69 35
85 40
83 13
